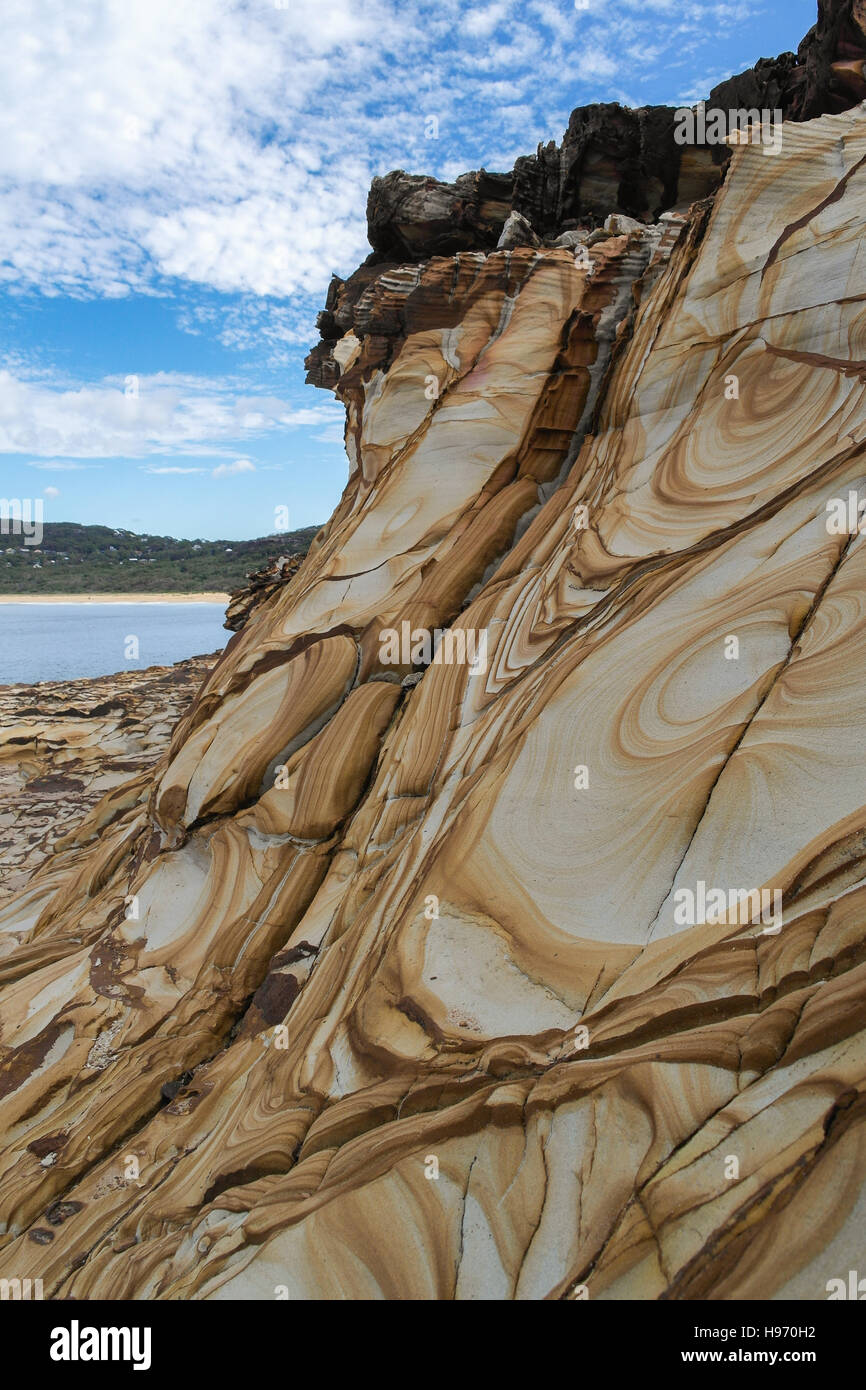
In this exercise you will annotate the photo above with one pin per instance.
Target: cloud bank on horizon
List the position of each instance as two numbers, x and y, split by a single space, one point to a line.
199 169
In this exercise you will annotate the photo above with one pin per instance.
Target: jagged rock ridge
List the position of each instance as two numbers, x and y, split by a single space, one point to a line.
260 586
612 160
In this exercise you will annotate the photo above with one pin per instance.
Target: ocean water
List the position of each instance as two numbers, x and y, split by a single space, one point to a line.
65 641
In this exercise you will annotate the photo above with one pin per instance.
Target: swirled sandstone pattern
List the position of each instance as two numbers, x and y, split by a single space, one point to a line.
406 1007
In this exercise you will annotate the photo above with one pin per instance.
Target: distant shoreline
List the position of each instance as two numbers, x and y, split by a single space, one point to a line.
115 598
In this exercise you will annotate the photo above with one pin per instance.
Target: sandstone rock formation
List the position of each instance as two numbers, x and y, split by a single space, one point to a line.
64 745
614 159
260 586
381 985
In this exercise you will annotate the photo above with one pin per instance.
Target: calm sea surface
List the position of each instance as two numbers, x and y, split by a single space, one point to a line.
65 641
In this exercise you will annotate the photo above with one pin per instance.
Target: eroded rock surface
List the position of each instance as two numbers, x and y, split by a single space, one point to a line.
408 1006
64 745
259 586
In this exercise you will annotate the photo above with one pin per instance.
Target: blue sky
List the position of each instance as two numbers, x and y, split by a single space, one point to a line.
179 179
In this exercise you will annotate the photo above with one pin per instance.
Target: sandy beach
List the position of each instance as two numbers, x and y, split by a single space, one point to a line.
114 598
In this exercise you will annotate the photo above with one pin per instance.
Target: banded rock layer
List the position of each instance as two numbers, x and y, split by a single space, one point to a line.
407 1008
64 745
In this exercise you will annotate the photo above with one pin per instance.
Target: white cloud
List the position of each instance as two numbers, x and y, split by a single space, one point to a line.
51 492
594 63
230 144
251 324
61 466
172 413
226 470
481 23
334 434
562 23
173 139
149 468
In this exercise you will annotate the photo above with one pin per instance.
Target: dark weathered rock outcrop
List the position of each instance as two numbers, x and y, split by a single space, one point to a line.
410 217
825 76
611 160
260 585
